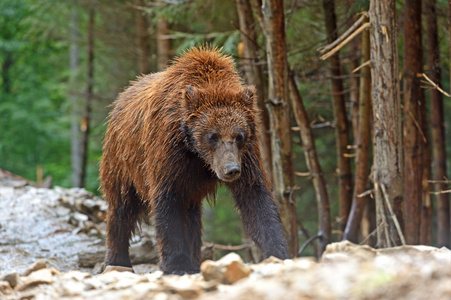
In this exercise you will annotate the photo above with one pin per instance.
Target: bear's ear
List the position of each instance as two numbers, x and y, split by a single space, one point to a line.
191 97
249 96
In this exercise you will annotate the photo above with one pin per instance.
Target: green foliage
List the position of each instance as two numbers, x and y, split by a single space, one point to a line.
33 132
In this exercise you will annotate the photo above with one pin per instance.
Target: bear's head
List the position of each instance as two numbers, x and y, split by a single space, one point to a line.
219 125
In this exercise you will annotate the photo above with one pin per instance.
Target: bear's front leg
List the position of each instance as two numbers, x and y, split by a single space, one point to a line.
173 229
261 221
258 209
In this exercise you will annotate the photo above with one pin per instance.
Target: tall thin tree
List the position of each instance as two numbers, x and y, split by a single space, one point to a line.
74 62
342 128
387 165
413 135
312 161
363 149
253 74
273 24
438 127
163 43
86 120
142 37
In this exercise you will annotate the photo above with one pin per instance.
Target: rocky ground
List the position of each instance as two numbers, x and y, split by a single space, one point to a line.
52 246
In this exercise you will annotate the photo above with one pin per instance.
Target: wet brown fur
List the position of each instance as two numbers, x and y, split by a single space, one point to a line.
156 159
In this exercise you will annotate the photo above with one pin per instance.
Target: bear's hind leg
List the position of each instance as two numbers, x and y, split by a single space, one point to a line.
122 219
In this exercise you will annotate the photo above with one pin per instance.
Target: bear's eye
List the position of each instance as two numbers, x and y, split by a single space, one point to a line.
212 138
240 138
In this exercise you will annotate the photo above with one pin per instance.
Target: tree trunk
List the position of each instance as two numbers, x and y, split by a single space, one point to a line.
85 123
341 129
74 57
311 158
253 75
163 43
438 127
387 166
279 113
363 149
142 38
354 82
414 138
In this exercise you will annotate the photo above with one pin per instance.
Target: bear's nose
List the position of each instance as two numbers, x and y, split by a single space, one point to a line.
232 171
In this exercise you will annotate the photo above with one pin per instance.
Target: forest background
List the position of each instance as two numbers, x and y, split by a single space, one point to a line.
63 62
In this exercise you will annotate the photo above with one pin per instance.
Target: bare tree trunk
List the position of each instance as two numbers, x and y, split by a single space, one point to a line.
163 43
438 127
387 166
142 38
341 129
363 150
74 57
354 82
253 75
85 123
414 138
316 172
279 113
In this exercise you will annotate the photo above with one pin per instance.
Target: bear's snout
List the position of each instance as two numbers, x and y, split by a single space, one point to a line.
232 171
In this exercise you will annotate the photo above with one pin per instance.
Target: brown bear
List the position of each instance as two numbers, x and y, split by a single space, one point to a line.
172 138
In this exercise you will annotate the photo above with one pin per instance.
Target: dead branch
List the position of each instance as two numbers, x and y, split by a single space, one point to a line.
438 181
366 193
367 63
347 40
418 127
326 48
302 174
433 84
441 192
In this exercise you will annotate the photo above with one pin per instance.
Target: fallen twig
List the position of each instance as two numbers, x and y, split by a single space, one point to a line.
371 234
227 247
395 219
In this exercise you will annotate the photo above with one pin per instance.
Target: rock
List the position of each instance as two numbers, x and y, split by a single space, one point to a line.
144 252
38 265
208 253
272 260
43 276
183 286
118 269
5 288
341 249
73 288
77 219
98 268
12 278
227 270
90 257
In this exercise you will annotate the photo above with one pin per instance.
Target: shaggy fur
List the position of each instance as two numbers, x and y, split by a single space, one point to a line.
172 137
